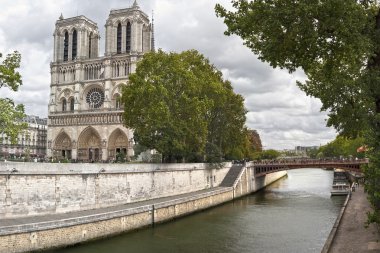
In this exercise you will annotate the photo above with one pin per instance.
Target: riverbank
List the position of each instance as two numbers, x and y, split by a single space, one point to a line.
351 235
31 233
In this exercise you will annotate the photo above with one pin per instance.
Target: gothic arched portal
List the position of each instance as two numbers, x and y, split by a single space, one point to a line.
117 143
89 145
62 146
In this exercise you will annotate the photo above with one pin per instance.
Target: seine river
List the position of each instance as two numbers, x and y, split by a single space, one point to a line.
293 215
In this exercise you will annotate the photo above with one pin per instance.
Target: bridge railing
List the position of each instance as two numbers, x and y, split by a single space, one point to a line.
310 161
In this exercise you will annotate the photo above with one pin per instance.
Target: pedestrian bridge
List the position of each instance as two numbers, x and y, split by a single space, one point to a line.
265 167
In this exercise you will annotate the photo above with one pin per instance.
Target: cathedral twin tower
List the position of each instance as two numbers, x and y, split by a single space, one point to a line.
85 113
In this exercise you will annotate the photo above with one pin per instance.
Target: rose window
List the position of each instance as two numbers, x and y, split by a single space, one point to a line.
95 98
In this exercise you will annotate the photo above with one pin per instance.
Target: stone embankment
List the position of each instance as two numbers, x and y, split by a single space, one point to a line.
349 233
53 205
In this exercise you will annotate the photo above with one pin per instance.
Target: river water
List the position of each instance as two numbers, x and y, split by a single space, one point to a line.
295 215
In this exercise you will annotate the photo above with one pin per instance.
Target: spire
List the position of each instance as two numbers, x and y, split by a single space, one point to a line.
61 17
152 47
135 5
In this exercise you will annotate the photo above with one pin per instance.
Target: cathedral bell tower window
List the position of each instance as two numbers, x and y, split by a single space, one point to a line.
75 44
89 45
119 38
128 37
66 47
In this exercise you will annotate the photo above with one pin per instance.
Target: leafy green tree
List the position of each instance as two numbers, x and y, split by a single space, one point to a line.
336 44
178 102
10 113
312 153
342 146
250 147
269 154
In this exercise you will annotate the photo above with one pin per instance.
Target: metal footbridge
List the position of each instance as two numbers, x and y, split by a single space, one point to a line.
265 167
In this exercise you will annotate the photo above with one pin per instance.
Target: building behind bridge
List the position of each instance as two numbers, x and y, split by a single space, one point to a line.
302 150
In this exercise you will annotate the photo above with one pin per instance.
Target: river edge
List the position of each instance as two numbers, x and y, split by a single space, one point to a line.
55 234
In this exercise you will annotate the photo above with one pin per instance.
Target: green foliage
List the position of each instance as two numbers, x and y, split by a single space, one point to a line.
250 147
178 102
342 146
213 153
313 153
332 41
9 77
10 118
120 157
156 158
11 114
269 154
138 149
336 44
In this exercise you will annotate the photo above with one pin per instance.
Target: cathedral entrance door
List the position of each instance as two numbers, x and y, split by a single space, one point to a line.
93 154
96 154
90 156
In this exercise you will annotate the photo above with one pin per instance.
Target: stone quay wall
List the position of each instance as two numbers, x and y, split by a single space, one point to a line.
38 236
32 189
247 183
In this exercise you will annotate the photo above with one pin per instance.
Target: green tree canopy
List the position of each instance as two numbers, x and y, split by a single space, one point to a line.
342 146
178 102
336 44
10 113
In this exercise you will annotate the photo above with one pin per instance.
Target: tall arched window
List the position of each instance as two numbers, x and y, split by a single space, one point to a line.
75 44
119 38
117 101
64 104
72 104
66 47
89 45
128 37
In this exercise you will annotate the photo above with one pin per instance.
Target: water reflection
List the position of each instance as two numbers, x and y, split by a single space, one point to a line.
295 214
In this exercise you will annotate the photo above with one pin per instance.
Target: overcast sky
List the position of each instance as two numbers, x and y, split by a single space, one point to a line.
282 114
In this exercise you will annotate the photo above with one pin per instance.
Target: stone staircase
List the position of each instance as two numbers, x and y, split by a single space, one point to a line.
231 176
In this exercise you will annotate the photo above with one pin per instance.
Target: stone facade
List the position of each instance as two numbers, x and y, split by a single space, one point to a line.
30 143
85 112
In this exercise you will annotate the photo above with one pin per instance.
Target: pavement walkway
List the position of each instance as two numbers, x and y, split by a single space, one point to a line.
351 235
30 220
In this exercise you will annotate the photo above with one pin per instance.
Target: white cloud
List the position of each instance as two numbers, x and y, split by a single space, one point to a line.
283 115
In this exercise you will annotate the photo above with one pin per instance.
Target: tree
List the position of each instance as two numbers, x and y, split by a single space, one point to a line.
269 154
342 146
255 140
10 113
336 44
178 104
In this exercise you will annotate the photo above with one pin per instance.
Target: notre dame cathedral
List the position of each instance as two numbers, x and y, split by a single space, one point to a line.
85 113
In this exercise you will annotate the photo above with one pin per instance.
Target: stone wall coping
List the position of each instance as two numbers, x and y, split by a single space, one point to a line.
47 225
30 168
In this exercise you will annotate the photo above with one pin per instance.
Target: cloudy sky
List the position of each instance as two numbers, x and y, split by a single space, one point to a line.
282 114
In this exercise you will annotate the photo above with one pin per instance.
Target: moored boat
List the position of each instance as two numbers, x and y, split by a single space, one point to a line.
340 188
341 185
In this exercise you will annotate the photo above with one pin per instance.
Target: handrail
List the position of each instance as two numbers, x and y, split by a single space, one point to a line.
239 176
309 161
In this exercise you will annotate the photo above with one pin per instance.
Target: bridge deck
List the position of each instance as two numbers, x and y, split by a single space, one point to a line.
266 167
